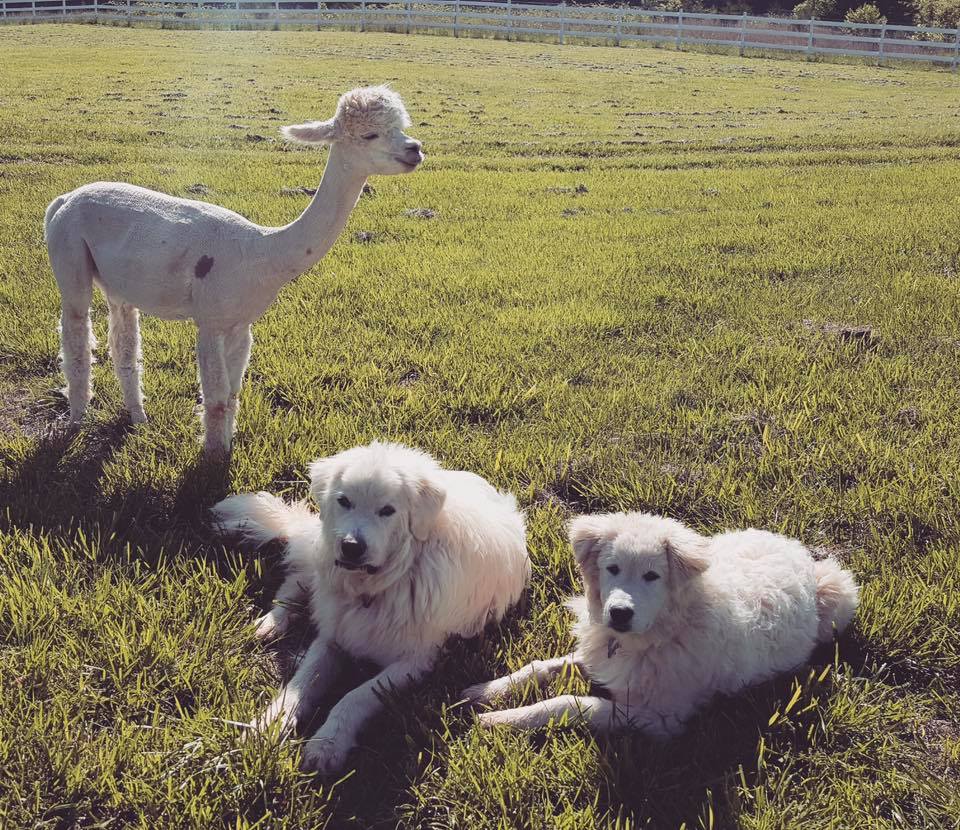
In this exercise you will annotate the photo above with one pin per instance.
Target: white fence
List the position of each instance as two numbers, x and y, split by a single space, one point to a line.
611 25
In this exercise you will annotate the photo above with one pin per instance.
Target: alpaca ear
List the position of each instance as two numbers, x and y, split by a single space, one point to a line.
426 502
587 534
687 552
315 132
322 472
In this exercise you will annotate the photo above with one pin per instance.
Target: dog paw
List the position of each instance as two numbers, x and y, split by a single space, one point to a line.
489 720
483 692
325 754
271 625
282 712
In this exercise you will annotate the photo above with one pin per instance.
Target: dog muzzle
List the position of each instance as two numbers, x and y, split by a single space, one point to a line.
354 566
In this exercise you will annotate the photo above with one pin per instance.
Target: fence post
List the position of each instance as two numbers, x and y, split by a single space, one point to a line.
743 31
319 6
509 19
956 51
563 20
619 24
456 18
883 34
679 41
810 38
276 14
363 15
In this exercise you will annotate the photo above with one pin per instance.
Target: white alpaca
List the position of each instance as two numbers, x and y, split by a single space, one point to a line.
181 259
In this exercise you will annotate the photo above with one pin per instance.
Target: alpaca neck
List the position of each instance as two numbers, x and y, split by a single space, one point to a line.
297 247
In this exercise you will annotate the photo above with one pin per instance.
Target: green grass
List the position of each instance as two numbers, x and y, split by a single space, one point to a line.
672 338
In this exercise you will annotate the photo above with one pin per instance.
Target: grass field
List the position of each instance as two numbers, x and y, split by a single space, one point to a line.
640 289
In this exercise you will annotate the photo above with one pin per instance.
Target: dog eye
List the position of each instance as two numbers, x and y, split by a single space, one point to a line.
388 510
614 569
370 136
344 502
651 576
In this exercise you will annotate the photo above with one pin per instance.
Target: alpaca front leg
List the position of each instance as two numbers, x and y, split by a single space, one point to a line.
237 353
124 341
600 714
327 750
539 672
215 388
313 676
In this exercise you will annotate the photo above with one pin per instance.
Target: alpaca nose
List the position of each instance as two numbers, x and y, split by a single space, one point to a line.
620 616
415 148
353 549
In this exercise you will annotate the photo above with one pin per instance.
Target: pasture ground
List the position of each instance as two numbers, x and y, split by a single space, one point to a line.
641 288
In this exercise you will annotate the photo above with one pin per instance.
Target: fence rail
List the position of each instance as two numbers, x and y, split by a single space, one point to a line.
612 25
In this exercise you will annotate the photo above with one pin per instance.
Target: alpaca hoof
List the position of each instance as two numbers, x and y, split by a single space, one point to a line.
138 416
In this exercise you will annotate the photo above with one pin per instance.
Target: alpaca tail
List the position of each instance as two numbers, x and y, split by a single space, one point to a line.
837 597
261 517
52 208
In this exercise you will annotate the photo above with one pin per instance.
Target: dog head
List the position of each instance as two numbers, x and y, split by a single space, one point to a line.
631 564
375 502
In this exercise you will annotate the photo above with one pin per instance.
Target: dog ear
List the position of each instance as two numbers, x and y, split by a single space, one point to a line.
687 552
314 132
322 472
587 534
425 506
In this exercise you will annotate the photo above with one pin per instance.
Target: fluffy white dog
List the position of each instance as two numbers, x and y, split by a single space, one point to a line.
671 618
402 555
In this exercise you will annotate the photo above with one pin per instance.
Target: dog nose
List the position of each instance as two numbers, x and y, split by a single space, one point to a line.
353 549
620 616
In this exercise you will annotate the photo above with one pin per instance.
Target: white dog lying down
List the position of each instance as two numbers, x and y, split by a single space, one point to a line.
671 618
402 555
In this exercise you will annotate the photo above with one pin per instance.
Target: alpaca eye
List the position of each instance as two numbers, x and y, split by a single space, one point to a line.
388 510
371 136
344 502
613 569
651 576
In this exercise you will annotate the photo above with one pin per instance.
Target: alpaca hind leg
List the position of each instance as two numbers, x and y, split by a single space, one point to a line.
76 332
237 346
215 387
125 353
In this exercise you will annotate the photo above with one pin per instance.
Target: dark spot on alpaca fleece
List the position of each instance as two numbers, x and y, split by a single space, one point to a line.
203 266
309 251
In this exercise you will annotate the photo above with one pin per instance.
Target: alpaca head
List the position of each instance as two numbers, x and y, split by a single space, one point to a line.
369 124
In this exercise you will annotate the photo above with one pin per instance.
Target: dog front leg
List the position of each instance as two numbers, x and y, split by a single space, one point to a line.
539 672
600 714
313 676
276 621
327 750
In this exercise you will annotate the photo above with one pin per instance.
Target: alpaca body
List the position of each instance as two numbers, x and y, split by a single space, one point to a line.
184 259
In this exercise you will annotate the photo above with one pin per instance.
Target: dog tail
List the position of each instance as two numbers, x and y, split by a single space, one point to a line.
259 518
837 598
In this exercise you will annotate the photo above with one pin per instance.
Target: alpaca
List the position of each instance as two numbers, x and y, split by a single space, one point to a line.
182 259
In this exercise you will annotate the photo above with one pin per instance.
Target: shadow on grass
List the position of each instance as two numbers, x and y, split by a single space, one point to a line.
57 486
51 485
